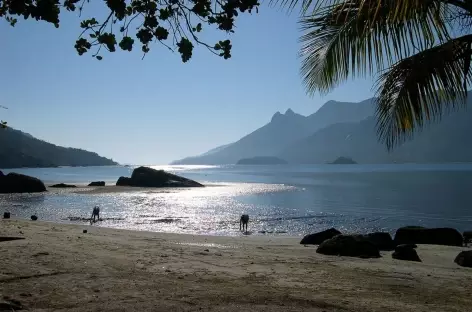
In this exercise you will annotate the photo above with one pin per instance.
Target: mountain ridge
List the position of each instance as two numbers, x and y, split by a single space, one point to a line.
19 149
346 129
280 131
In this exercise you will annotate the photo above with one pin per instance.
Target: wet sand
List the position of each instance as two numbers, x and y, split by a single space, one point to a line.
56 267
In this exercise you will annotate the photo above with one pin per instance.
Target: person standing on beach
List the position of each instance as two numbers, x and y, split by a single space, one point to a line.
95 213
243 221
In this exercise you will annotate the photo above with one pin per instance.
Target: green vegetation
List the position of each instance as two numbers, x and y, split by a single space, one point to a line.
175 24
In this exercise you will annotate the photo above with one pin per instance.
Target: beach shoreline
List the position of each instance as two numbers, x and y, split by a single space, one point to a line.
58 267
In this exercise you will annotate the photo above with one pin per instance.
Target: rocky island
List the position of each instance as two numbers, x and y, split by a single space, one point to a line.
343 161
148 177
262 160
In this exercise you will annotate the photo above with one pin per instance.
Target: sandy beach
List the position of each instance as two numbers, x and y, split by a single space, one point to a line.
57 267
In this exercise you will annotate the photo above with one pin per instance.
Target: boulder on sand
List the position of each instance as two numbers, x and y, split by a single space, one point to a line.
467 237
432 236
34 217
406 252
62 185
318 238
148 177
350 246
20 183
97 183
464 258
123 181
6 215
381 240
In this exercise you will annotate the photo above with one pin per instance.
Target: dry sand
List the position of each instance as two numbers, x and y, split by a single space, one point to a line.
58 268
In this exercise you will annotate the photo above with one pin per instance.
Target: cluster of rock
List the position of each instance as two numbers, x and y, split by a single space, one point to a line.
333 242
141 177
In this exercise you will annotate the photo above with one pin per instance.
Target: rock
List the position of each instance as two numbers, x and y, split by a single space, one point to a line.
20 183
405 252
433 236
123 181
464 258
84 231
62 185
34 218
6 215
381 240
97 183
467 237
148 177
10 305
9 238
318 238
348 245
414 246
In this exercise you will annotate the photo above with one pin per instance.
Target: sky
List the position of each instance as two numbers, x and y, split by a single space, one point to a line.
158 109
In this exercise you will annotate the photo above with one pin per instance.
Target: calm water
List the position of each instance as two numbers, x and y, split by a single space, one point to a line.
281 200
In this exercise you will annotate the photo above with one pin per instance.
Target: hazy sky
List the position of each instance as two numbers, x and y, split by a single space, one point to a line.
155 110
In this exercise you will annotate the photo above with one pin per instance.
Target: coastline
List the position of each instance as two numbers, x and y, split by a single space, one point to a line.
57 267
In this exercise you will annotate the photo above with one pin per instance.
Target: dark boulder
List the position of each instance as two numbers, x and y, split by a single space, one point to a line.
97 183
318 238
123 181
348 245
467 237
432 236
63 185
464 258
6 215
381 240
148 177
20 183
405 252
34 217
414 246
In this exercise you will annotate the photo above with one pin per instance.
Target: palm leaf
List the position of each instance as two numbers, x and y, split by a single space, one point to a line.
419 88
356 36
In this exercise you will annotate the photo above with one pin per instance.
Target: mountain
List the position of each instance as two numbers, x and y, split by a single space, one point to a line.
19 149
343 129
281 131
267 140
443 142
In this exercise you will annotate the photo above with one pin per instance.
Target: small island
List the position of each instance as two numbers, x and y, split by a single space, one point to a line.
262 160
343 161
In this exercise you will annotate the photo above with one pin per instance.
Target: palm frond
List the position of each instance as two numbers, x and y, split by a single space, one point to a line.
304 5
419 88
355 36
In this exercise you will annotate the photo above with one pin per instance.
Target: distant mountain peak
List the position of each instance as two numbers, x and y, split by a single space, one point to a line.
289 112
276 116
